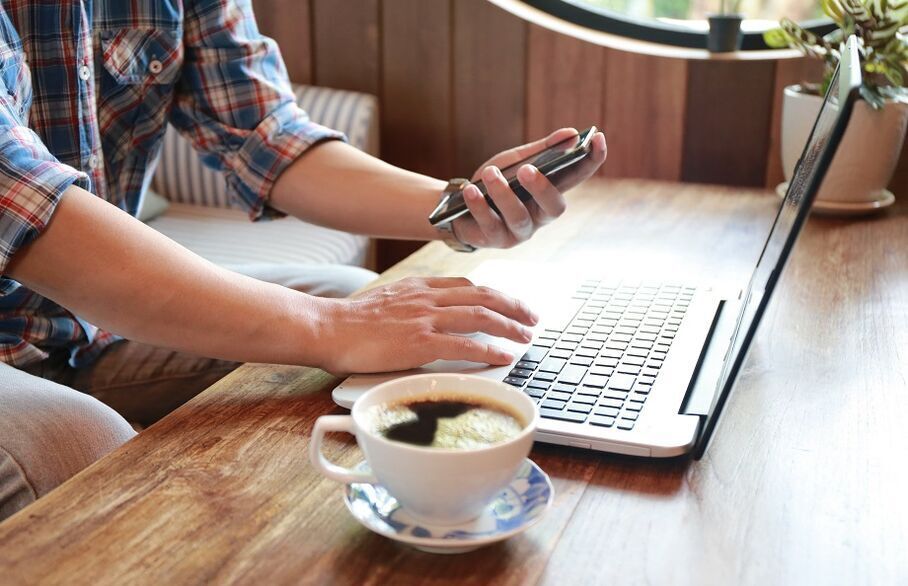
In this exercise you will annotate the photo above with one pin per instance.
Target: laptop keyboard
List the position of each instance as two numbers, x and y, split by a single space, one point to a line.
599 367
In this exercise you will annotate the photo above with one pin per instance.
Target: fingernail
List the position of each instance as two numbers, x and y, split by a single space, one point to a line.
471 191
531 170
497 172
534 317
527 333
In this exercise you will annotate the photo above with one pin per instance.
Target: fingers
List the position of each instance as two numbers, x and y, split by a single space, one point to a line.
519 153
489 223
550 201
450 347
514 213
445 282
467 320
489 299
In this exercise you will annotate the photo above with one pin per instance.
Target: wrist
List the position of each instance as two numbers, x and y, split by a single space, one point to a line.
312 331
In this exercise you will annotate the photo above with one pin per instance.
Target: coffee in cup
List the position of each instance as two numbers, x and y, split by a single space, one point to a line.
444 445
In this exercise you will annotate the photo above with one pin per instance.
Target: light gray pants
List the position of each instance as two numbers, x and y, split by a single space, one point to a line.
49 431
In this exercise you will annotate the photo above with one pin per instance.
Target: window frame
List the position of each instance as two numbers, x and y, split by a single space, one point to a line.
652 30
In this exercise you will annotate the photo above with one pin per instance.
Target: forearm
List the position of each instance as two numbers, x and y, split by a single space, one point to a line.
114 271
338 186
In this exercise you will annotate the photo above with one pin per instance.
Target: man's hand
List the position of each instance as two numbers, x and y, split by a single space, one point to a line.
518 221
416 321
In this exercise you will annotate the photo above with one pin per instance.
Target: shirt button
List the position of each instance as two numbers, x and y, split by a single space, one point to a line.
85 72
155 66
93 162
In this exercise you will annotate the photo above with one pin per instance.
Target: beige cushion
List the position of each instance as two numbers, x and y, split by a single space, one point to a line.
227 237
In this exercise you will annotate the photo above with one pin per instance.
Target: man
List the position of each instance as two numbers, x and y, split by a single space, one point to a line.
89 89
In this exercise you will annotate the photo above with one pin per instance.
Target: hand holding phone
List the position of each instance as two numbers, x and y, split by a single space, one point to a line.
559 163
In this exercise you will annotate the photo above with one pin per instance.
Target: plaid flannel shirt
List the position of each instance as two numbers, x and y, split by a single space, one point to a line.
88 88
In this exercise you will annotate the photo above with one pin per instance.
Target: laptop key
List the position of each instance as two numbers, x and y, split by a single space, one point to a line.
582 361
579 408
534 354
613 394
552 365
521 373
593 380
602 371
625 424
545 376
607 361
608 402
527 365
535 393
573 374
628 369
571 416
558 396
621 382
564 388
515 382
563 354
585 399
544 343
539 384
552 405
607 411
586 352
629 415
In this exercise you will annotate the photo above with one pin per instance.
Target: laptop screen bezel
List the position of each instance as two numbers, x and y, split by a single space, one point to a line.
849 79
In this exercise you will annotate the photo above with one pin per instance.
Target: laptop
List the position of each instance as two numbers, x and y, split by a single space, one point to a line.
644 366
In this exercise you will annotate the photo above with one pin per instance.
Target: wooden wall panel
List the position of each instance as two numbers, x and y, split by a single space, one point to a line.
645 99
726 131
565 82
899 184
346 41
788 72
289 23
416 96
489 82
417 92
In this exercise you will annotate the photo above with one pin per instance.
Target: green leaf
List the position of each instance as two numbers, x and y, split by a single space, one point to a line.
776 38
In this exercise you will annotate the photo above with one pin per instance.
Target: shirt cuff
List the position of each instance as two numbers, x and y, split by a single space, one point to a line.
275 143
31 184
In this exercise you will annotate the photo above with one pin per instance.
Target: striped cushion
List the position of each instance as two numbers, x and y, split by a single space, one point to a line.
228 238
182 178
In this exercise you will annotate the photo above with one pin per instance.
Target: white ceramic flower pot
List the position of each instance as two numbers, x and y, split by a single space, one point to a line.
867 156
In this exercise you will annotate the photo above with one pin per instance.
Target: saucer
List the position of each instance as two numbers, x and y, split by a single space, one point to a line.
516 508
842 208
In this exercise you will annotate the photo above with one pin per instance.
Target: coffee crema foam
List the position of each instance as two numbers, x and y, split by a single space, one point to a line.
445 422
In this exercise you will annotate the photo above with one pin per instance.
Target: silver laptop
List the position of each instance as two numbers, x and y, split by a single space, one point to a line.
644 366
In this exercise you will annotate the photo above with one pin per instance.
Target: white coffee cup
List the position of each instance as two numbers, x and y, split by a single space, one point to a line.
438 486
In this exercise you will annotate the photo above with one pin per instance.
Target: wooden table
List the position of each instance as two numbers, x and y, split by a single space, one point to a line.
803 484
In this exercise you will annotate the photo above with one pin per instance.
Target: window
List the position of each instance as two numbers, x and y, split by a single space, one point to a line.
682 22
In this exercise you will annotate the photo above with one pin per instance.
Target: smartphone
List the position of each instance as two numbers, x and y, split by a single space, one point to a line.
555 162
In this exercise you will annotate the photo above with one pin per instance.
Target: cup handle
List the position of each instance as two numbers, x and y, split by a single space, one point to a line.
324 424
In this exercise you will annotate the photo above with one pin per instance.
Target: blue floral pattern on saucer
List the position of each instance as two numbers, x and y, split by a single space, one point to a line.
514 510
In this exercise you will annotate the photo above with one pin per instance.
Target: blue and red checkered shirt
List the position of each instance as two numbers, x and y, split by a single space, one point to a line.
88 88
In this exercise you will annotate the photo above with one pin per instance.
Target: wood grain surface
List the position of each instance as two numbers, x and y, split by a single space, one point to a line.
803 483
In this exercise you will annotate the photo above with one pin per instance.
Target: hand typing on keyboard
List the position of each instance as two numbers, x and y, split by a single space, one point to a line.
416 321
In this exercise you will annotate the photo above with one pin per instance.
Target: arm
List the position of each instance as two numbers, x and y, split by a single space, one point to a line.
110 268
338 186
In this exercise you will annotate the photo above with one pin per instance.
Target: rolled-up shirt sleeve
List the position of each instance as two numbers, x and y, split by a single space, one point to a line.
235 104
31 183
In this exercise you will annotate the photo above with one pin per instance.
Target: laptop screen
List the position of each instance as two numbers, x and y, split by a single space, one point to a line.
807 176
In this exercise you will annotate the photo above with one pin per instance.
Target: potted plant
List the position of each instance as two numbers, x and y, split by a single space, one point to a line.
869 152
725 28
